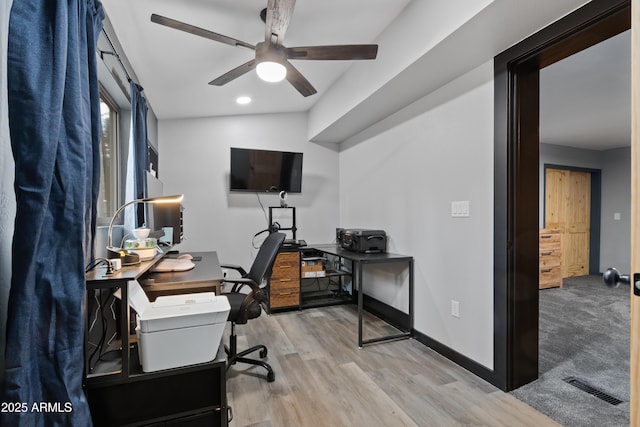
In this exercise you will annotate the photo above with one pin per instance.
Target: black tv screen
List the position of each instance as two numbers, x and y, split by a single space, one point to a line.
265 170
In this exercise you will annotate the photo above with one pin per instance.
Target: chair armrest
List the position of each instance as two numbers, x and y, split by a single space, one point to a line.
237 268
258 293
240 282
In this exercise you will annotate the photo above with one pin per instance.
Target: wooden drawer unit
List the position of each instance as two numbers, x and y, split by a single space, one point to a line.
550 259
284 286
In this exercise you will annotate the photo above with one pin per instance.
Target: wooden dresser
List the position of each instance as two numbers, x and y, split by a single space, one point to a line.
284 287
550 258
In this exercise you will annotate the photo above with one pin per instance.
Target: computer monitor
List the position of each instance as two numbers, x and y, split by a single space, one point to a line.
161 215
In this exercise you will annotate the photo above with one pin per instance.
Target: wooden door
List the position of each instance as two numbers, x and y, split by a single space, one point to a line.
568 209
635 211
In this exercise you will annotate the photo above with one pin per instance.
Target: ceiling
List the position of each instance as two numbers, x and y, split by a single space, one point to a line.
584 100
175 67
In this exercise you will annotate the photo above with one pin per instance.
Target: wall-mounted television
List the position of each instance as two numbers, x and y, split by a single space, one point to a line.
265 171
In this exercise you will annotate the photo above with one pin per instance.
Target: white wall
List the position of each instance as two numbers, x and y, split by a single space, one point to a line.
194 160
615 240
404 180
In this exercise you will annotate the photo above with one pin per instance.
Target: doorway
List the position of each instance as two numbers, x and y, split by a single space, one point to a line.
572 198
568 209
516 221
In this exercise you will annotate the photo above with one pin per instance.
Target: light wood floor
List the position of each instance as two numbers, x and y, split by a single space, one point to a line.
323 379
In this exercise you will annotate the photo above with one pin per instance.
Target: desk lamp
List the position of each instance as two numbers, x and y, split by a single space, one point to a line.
129 257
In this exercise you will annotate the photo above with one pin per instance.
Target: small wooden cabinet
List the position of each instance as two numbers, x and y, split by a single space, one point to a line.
550 258
284 286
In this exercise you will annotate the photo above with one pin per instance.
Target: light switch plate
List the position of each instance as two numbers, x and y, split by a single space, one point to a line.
460 209
455 308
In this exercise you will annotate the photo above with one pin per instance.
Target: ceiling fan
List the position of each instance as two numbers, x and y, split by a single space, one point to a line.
271 56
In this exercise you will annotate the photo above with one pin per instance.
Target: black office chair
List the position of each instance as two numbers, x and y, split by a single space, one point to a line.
245 306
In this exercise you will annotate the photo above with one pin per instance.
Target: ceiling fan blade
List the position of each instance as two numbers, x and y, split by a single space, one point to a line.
337 52
172 23
234 74
278 16
298 81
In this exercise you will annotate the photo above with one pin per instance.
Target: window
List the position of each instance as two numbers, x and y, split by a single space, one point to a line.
109 164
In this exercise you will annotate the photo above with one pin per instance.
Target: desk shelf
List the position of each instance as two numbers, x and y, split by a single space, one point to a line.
107 367
337 273
329 288
325 290
289 290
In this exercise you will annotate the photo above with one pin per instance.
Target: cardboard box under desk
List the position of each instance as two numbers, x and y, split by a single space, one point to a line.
312 267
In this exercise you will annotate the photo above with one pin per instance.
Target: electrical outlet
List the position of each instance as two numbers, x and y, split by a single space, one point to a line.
455 308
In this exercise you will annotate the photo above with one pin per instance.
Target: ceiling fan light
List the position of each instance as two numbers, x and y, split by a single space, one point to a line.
270 71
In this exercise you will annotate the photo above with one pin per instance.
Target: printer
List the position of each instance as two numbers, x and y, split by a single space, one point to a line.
178 330
362 240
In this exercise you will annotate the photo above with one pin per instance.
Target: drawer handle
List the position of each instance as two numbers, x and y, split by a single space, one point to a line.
546 270
284 280
546 253
545 236
286 293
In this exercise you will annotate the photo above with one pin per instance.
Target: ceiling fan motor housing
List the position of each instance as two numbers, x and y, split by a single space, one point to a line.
271 53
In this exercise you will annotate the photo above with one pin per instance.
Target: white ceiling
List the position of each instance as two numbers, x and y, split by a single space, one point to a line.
175 67
585 99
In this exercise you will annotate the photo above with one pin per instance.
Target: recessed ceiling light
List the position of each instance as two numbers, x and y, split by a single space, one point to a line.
243 100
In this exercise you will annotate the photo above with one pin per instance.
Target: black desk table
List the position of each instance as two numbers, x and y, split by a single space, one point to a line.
359 260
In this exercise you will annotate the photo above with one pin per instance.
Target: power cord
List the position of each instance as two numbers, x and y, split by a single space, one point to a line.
266 218
96 262
272 229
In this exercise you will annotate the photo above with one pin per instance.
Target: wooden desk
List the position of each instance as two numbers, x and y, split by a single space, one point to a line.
206 276
359 260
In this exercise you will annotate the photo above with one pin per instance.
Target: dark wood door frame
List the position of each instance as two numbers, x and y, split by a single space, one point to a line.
516 183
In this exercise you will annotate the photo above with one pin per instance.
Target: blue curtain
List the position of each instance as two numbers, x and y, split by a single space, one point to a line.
137 158
54 122
139 134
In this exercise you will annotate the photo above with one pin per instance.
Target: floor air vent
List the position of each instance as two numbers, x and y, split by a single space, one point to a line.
594 391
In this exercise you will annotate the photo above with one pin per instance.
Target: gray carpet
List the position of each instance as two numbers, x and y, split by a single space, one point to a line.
584 333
